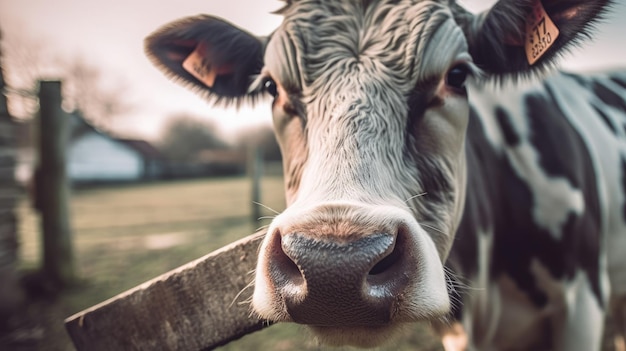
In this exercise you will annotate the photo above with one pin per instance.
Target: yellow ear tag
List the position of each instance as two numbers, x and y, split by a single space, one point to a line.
541 33
198 66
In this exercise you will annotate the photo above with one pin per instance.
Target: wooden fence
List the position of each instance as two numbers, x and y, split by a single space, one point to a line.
199 306
9 192
52 188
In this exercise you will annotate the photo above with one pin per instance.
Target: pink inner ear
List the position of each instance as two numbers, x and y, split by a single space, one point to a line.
224 69
206 53
514 40
189 43
199 64
174 56
569 14
177 56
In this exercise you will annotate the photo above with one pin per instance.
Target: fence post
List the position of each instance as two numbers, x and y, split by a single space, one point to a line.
10 292
52 186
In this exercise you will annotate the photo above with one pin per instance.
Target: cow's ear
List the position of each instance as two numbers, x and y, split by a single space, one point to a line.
208 55
522 36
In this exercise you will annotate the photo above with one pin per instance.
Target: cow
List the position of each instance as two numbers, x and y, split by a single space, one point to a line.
436 168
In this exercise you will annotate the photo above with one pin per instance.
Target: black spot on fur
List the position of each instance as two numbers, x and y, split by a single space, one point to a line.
417 103
607 121
619 79
563 153
482 190
554 139
581 80
518 239
498 198
510 134
609 96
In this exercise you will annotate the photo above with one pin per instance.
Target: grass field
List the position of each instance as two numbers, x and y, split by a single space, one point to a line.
127 234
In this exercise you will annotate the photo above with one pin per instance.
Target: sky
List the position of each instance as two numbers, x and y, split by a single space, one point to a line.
109 34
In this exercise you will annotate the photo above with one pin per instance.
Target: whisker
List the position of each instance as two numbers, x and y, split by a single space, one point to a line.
262 227
249 285
456 299
415 196
433 228
266 207
247 301
458 282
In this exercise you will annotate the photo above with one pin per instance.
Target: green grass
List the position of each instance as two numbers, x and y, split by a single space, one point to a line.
127 234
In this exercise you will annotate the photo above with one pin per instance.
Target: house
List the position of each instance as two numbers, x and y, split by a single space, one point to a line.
94 156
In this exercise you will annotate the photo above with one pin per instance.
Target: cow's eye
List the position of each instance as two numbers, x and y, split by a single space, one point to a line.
457 76
270 87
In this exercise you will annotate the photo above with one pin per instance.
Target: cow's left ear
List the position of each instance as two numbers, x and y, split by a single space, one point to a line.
521 36
208 55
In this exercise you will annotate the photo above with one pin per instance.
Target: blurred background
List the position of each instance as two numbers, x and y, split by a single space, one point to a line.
157 177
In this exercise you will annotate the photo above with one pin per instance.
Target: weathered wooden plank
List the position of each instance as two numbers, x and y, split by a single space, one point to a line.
199 306
10 293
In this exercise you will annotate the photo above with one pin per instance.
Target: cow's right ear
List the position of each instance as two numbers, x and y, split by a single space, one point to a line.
518 37
208 55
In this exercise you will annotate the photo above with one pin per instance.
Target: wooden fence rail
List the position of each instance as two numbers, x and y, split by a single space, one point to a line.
198 306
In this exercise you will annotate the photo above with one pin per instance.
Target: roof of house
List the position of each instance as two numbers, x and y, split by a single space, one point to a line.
144 147
79 126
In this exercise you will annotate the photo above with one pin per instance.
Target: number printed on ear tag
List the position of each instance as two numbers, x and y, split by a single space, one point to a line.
541 33
199 66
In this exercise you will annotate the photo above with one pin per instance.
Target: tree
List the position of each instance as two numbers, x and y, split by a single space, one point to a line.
23 59
186 135
263 137
84 91
28 60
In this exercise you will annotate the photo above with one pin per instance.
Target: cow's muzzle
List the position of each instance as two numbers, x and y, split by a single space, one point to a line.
355 282
348 265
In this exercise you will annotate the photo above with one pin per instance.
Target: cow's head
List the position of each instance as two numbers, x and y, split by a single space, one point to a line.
370 110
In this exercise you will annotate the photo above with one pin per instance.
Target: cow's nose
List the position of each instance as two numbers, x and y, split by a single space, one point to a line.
348 282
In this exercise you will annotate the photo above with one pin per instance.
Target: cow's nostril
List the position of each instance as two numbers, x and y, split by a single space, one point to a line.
286 271
386 263
389 270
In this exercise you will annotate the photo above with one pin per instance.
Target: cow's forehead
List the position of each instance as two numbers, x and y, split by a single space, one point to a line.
402 42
